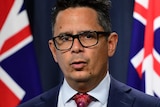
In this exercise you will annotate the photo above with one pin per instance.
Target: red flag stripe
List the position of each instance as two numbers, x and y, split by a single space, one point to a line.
139 70
156 12
9 98
140 9
5 5
15 39
148 13
156 8
149 32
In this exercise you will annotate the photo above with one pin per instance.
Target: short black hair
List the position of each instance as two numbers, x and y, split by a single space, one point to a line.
102 8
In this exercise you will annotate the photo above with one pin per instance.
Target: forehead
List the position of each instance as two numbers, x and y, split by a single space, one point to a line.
78 18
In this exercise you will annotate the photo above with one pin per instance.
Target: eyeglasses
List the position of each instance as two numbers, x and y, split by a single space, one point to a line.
87 39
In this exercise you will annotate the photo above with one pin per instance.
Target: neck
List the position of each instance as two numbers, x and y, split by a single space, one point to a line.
85 86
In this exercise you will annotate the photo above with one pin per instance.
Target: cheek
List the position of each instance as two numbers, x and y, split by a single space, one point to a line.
100 57
63 61
102 51
58 57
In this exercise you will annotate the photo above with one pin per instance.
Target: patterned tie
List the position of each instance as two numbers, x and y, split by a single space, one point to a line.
82 99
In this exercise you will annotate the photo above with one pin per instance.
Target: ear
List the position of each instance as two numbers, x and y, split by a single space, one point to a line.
53 49
112 43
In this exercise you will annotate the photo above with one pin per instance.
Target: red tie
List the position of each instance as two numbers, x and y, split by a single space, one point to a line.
82 99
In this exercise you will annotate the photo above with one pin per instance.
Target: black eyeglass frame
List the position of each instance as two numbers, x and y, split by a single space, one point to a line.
77 36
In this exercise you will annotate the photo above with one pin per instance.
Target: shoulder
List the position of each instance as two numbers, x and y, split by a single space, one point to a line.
136 97
44 99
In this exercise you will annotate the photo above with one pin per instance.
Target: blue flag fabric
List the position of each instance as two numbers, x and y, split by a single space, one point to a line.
144 61
19 74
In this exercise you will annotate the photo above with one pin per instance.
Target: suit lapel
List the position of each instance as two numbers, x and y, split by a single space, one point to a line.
49 99
119 95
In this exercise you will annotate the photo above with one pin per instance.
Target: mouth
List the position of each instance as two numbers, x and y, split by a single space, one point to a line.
78 65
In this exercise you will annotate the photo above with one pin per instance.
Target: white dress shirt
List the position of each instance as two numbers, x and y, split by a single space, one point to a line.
100 92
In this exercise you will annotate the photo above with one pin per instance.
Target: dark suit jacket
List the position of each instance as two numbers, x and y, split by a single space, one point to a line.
120 95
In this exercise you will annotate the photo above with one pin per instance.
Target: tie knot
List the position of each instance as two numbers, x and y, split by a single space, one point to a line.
82 99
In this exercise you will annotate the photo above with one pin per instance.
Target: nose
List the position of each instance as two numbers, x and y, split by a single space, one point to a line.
77 47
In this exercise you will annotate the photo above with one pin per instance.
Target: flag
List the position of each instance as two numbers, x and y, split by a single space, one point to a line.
144 60
19 75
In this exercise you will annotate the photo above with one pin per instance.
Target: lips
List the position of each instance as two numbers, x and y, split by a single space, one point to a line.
78 65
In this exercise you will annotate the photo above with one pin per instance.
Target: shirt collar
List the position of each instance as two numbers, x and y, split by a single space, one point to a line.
101 92
67 92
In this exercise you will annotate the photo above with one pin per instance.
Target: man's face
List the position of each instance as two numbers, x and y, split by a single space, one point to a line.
81 65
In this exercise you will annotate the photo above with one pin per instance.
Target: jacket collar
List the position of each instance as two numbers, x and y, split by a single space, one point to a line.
119 95
49 98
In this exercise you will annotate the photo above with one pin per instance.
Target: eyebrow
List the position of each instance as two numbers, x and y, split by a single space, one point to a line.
71 32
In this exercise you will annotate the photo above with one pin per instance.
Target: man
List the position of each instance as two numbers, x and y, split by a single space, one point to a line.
82 43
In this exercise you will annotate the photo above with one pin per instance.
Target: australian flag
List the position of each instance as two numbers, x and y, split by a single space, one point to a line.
144 61
19 75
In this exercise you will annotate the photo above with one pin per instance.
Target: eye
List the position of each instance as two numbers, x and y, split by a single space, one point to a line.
65 37
90 35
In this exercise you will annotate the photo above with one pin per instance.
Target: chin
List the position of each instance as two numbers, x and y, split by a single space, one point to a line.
81 78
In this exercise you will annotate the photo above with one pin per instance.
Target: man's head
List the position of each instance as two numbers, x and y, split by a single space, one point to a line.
82 44
100 6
